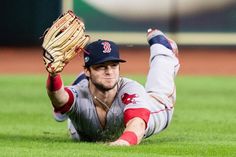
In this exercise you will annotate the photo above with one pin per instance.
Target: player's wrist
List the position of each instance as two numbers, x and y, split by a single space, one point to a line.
53 74
54 82
130 137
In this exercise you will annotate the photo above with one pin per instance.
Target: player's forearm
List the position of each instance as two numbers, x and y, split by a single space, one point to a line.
137 126
133 133
56 92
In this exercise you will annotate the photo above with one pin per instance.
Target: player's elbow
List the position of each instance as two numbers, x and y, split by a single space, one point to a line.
59 98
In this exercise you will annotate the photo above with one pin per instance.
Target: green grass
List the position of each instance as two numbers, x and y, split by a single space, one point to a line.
204 123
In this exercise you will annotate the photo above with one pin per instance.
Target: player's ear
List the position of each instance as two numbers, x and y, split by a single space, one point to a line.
87 71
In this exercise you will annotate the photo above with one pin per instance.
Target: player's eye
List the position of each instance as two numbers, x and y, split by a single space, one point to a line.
102 67
114 65
99 67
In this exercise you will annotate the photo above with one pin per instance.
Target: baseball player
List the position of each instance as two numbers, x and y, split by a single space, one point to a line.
102 106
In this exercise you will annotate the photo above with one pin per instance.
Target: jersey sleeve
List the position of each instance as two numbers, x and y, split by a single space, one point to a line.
60 114
134 97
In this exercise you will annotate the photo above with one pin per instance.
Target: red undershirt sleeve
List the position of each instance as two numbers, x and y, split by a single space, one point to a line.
66 107
142 113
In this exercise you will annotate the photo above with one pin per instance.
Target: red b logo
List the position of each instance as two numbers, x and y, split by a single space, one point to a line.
106 47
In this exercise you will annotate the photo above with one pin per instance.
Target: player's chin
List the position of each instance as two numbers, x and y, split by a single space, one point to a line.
110 84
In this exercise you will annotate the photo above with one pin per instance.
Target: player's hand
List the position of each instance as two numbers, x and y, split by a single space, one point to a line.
119 142
63 41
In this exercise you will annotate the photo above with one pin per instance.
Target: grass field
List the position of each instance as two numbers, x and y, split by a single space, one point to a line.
204 123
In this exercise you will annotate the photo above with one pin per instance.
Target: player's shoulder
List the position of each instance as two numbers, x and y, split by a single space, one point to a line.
80 89
127 83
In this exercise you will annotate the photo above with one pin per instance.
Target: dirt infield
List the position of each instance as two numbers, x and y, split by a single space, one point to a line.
194 61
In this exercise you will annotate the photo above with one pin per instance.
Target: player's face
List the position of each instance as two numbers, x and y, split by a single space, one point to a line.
105 75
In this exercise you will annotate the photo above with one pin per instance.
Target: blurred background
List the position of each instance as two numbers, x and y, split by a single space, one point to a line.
199 27
191 22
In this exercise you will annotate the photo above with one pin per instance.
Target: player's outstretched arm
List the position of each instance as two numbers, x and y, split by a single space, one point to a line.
61 43
133 133
58 95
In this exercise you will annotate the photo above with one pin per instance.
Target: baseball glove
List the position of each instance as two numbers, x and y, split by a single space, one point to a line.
63 41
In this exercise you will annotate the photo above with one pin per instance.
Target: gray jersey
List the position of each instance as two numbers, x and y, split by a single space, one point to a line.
83 114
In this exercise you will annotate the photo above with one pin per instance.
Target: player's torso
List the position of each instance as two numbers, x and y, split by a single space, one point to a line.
85 117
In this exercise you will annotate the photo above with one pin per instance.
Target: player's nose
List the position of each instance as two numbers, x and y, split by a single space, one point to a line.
108 69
